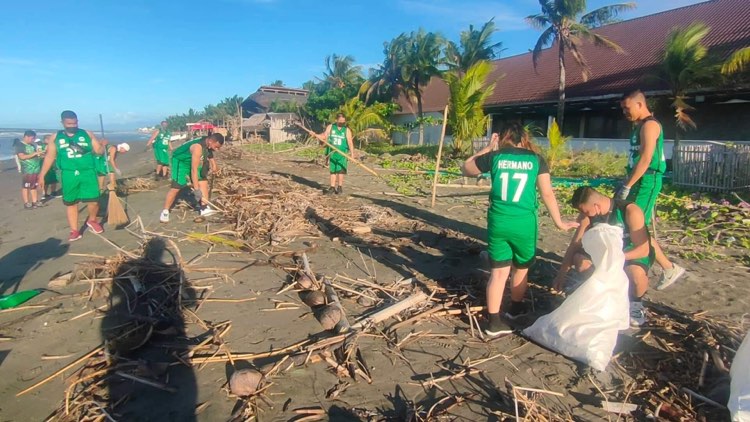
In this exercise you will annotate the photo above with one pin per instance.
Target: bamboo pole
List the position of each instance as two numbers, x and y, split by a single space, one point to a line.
439 155
354 160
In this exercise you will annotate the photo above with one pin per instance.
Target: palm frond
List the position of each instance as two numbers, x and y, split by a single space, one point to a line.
605 15
737 63
544 41
539 21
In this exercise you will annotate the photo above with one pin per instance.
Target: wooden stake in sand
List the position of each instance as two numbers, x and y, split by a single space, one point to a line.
439 155
390 311
354 160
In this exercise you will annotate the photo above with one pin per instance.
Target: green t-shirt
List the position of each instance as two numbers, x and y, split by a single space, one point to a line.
29 165
658 161
74 152
513 172
337 138
182 153
162 139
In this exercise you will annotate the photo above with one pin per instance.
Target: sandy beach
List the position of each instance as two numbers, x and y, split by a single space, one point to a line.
33 250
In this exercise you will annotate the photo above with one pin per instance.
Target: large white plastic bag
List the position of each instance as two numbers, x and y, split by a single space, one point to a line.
585 326
739 390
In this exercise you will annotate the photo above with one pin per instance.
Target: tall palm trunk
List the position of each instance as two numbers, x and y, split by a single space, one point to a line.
561 89
421 118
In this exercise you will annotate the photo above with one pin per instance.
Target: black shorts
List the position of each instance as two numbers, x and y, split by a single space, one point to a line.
30 181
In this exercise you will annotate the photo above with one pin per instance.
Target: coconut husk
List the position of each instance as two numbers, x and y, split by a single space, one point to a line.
329 316
314 298
245 382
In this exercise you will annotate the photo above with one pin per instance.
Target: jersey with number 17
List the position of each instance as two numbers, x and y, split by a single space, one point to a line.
513 172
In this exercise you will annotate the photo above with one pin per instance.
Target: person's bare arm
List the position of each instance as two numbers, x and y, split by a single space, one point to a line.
469 167
574 247
649 135
323 136
214 165
350 140
544 184
24 156
49 160
638 233
96 146
151 139
196 155
111 157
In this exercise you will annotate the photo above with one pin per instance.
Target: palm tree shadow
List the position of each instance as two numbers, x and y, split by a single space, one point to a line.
145 307
16 264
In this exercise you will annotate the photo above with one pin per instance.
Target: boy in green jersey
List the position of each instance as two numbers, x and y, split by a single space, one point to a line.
646 166
517 172
340 137
73 149
161 140
594 209
30 160
191 165
50 179
107 164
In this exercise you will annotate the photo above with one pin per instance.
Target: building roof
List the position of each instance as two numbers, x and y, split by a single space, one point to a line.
259 120
260 100
517 82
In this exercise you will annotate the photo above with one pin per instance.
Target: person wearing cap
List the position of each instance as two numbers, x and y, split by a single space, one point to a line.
112 152
74 149
31 164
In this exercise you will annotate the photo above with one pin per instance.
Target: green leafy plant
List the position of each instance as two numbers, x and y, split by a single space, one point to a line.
468 93
557 144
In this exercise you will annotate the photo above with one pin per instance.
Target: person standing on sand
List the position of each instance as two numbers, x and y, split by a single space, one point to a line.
517 171
596 208
646 166
50 180
341 137
190 166
73 149
161 140
30 160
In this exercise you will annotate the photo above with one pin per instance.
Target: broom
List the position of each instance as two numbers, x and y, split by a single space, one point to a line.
116 215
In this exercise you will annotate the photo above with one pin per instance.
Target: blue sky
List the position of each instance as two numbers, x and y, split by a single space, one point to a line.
136 61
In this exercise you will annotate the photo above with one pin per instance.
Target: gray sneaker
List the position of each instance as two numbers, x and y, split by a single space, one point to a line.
637 314
670 276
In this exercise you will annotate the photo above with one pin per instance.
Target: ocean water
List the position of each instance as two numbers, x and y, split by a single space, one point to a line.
8 134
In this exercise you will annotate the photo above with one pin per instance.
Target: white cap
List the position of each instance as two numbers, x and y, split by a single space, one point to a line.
124 146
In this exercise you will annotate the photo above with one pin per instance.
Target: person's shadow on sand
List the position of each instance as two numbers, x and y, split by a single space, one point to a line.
145 308
15 265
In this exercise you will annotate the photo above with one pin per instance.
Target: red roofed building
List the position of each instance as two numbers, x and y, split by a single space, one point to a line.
592 107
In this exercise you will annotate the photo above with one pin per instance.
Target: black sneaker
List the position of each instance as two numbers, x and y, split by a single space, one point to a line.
330 191
339 190
497 328
517 309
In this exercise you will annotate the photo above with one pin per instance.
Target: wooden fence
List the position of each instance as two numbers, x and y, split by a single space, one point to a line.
714 167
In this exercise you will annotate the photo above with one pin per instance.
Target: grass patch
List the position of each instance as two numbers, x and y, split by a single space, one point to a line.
267 147
379 148
590 163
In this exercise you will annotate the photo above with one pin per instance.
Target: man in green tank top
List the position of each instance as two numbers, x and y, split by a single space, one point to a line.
594 209
161 140
340 137
107 164
29 156
646 165
190 166
73 149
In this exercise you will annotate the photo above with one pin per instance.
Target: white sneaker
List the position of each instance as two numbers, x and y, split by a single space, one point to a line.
205 212
164 217
637 314
669 277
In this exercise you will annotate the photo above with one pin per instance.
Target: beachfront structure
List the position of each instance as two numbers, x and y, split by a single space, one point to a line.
592 108
261 100
271 127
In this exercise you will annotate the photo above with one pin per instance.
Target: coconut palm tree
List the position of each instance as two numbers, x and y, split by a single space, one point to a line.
686 65
365 121
738 62
341 71
468 92
475 45
566 23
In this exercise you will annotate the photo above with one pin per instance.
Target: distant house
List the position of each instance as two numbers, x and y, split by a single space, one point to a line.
260 101
272 127
592 108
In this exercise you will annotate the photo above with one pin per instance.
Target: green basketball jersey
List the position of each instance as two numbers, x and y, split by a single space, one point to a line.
658 161
337 138
74 152
513 172
183 155
31 165
162 139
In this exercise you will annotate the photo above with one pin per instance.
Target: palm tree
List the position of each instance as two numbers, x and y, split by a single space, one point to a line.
474 46
341 71
737 63
386 78
560 23
468 92
363 120
277 82
686 65
419 62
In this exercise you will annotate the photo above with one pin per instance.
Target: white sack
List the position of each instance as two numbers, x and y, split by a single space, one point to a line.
585 326
739 390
